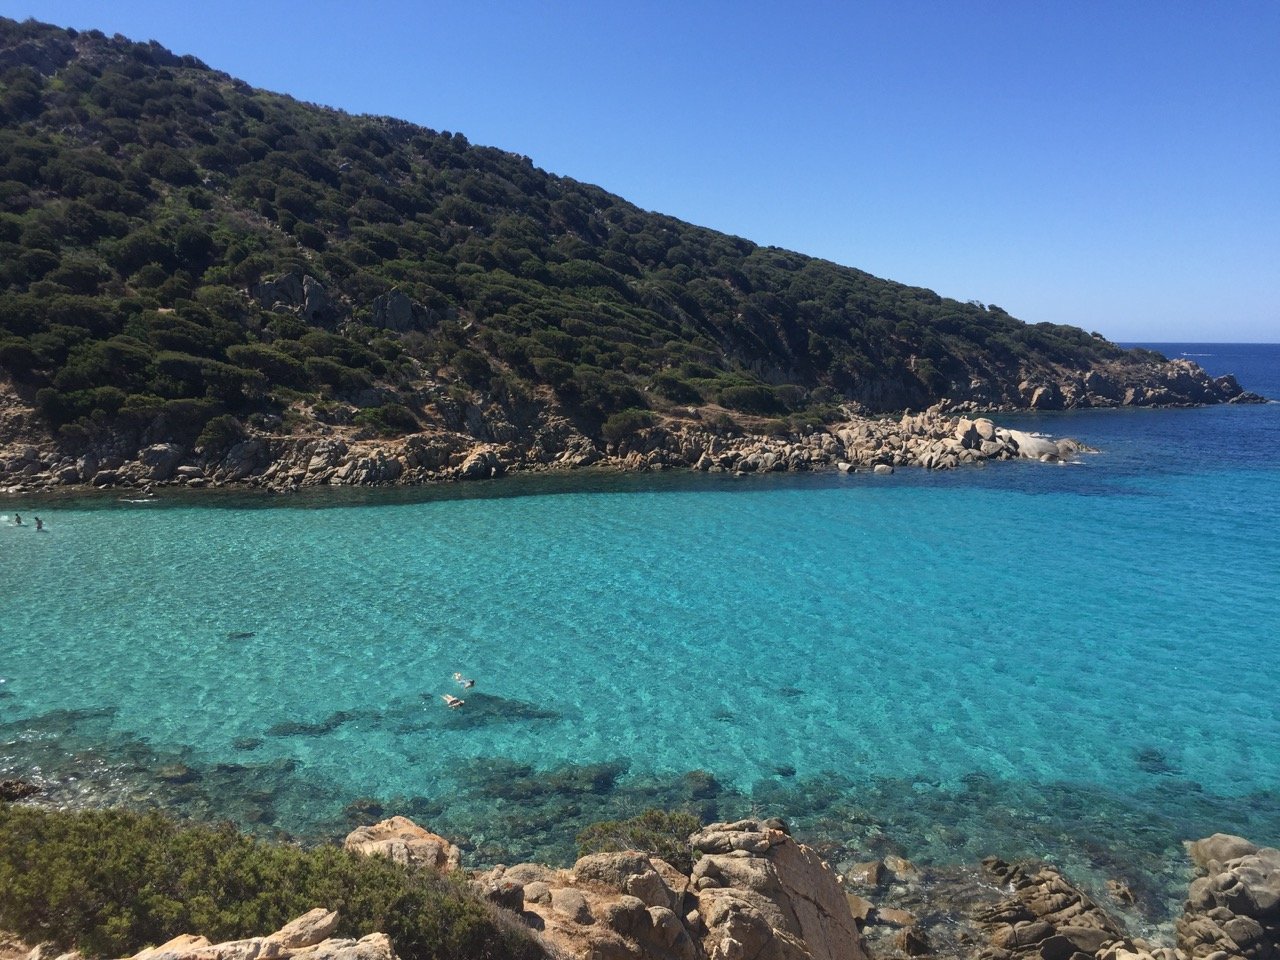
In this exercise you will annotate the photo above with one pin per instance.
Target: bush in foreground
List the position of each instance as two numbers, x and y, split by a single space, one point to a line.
112 882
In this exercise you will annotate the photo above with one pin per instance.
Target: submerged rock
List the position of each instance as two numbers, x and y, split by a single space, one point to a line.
17 790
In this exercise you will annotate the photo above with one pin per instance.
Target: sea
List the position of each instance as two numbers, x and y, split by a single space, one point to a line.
1074 662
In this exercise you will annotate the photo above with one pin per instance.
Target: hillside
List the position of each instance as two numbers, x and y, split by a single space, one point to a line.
187 260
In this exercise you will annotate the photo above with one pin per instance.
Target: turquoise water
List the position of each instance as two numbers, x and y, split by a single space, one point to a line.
1075 662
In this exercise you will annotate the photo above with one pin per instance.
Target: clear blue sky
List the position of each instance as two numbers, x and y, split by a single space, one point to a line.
1114 165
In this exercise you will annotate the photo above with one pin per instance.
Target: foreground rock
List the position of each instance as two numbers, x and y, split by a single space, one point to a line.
756 886
755 894
306 938
1233 907
309 937
1045 916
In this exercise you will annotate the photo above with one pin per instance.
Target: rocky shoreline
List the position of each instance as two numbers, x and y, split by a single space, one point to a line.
931 440
483 438
755 893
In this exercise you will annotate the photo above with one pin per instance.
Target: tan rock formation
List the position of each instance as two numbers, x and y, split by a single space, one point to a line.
1233 907
403 841
309 937
762 895
610 906
1045 916
756 894
306 938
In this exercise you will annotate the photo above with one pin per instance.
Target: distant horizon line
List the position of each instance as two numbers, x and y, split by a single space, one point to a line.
1207 343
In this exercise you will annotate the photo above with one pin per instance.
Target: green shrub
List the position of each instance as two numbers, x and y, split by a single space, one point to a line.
676 390
279 368
553 371
18 357
658 833
390 419
96 403
752 398
220 434
626 423
471 367
110 882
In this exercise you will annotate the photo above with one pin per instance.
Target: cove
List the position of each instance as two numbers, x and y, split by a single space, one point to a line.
1073 662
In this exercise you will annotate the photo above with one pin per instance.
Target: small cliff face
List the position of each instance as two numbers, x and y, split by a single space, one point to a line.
1105 383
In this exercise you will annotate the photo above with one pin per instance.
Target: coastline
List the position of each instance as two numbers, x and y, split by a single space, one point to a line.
884 822
485 439
648 889
932 440
1106 836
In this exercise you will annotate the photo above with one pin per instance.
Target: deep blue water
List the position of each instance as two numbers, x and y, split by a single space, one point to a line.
1076 662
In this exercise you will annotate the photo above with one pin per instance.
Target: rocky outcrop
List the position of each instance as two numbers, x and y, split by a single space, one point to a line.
611 906
1046 917
1233 907
401 840
1154 383
309 937
297 293
396 312
483 437
761 894
933 440
1029 910
755 894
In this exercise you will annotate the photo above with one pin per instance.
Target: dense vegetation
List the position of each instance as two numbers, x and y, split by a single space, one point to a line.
110 883
176 247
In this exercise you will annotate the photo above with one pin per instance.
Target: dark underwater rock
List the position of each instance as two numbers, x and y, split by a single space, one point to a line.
17 790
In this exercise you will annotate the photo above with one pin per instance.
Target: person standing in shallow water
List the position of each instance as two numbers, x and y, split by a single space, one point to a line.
17 519
39 525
